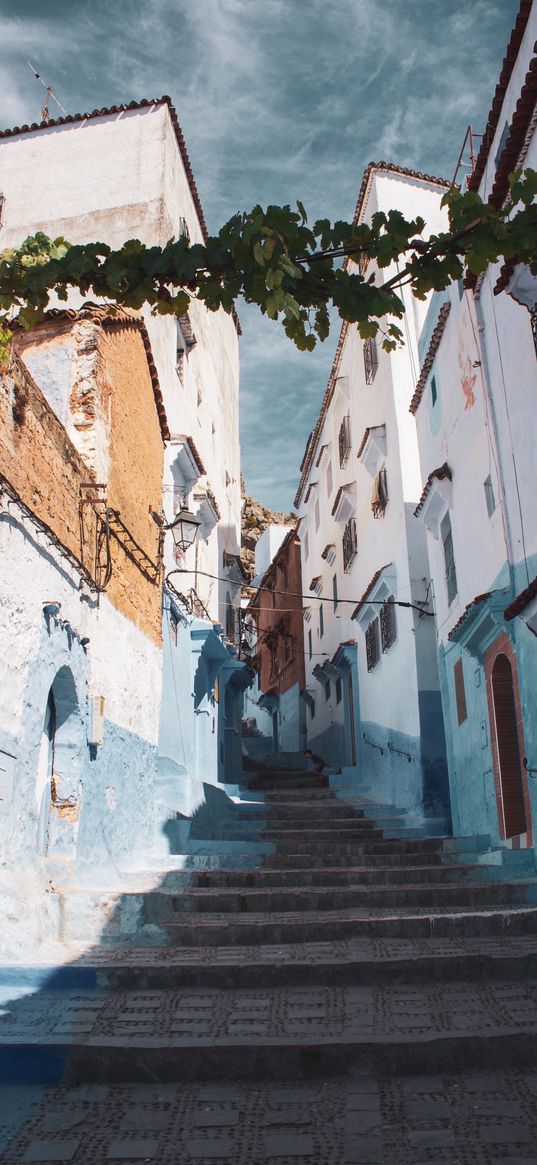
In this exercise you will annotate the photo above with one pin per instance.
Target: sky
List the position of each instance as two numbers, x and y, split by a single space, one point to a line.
278 100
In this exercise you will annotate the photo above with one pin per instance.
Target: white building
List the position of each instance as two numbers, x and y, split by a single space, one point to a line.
112 175
475 411
371 681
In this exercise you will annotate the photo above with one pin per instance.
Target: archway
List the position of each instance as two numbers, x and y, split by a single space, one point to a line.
508 747
60 761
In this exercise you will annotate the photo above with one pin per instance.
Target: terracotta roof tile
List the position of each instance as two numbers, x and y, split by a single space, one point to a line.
368 590
501 89
339 495
429 358
522 600
468 611
440 474
196 456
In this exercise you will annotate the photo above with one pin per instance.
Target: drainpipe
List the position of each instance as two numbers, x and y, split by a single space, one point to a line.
486 379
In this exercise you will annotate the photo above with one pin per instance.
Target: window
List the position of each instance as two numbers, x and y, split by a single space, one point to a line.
372 644
371 360
379 493
434 391
310 644
449 559
230 618
460 694
288 646
329 482
350 544
334 590
327 690
344 440
339 691
489 496
317 514
274 662
321 621
180 352
388 630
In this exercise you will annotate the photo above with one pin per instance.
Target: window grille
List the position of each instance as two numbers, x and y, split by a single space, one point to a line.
388 630
460 694
371 360
339 691
449 558
372 644
379 494
344 440
184 232
350 543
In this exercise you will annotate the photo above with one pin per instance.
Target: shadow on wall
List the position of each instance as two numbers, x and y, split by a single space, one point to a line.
54 1029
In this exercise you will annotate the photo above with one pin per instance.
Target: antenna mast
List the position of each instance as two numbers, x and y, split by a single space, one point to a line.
45 115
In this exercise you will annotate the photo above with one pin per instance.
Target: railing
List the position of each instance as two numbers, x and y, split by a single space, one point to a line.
371 360
372 644
388 632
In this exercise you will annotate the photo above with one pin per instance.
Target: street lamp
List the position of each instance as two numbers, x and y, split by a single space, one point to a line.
184 528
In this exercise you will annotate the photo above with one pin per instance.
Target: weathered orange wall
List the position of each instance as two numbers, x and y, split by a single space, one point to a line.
40 462
284 578
136 469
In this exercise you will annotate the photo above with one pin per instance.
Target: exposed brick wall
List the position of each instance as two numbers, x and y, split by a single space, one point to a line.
97 371
280 610
41 462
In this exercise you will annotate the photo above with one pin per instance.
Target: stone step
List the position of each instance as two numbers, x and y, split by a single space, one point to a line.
333 834
275 900
295 811
364 875
202 930
334 963
286 783
317 796
217 1035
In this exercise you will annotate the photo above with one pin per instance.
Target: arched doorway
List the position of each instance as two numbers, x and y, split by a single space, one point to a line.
60 760
508 753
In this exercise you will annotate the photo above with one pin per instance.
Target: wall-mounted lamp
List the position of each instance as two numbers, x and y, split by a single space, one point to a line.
184 528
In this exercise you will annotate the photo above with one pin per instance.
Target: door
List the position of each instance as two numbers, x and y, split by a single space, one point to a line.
508 748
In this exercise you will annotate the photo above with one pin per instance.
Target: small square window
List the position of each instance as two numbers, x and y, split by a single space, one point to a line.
339 691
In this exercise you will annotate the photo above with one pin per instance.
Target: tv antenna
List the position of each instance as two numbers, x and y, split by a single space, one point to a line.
45 115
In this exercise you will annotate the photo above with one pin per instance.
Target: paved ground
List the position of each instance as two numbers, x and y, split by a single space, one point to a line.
468 1119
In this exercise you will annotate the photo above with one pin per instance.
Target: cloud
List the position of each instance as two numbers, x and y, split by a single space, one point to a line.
278 99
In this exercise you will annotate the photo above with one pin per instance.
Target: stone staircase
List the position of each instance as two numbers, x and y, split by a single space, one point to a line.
340 968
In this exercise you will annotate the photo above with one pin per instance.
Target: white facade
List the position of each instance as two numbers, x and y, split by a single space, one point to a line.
123 175
385 716
475 413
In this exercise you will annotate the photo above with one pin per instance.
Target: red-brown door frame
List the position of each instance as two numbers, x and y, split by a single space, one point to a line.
503 646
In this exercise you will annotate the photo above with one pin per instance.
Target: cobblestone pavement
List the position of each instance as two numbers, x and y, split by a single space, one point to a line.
463 1119
320 1014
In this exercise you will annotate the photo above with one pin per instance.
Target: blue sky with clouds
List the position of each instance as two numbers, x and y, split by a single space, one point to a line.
278 100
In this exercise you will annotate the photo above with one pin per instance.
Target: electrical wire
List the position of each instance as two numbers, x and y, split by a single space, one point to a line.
320 598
